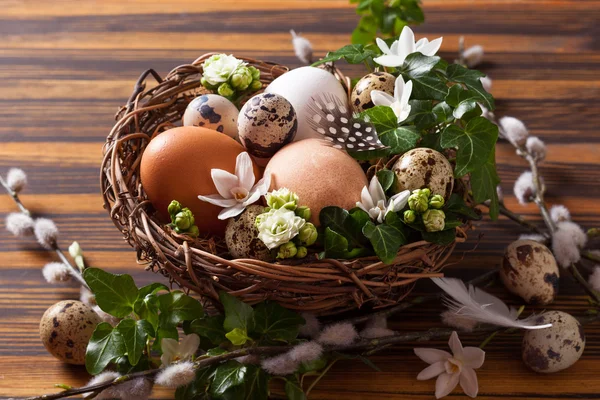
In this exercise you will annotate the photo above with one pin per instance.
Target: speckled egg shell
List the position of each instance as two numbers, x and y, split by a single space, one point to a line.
66 328
424 168
529 270
361 94
556 348
213 112
266 123
241 236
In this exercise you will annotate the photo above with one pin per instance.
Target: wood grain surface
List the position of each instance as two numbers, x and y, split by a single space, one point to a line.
66 66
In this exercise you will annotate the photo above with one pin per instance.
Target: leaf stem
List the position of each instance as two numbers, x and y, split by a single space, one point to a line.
321 375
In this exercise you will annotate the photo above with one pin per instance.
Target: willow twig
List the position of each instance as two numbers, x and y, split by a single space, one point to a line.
75 272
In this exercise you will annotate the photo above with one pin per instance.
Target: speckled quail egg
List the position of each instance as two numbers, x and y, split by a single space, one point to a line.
241 236
214 112
361 94
529 270
556 348
266 123
424 168
66 328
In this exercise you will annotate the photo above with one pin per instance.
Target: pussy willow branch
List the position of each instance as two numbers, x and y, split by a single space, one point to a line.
75 272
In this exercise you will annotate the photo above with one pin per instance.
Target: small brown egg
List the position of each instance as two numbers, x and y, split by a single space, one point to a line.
242 239
529 270
556 348
424 168
66 328
361 94
214 112
266 123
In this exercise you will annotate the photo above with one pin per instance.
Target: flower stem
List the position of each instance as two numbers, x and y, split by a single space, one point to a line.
15 197
321 375
519 219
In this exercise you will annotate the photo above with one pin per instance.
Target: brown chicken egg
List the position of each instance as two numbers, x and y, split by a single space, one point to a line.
319 174
361 94
66 328
176 165
424 168
266 123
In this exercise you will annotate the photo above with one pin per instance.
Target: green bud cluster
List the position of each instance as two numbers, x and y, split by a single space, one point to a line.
422 202
230 84
282 198
182 219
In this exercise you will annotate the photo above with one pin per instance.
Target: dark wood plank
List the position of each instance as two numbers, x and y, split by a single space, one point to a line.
66 67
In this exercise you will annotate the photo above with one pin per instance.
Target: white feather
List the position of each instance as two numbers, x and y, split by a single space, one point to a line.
480 306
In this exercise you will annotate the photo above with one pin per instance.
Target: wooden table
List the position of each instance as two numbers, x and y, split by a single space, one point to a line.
65 67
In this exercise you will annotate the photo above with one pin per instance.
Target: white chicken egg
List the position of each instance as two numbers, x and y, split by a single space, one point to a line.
298 86
213 112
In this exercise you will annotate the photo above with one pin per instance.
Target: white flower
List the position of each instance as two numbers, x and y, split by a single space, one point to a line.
16 179
177 351
302 47
340 334
395 55
559 213
220 67
278 226
473 56
238 191
452 369
176 375
373 201
398 103
56 272
19 224
46 232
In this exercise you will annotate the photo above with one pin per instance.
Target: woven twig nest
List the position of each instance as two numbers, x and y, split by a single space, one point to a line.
202 265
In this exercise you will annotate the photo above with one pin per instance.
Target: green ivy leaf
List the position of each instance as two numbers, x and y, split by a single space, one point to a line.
458 206
366 30
466 110
386 238
147 308
475 144
312 366
428 87
135 335
276 323
237 336
256 383
421 113
210 328
443 238
237 313
105 345
169 331
152 288
483 184
115 294
417 65
471 78
176 307
215 351
443 112
197 390
227 375
340 221
293 390
352 53
386 179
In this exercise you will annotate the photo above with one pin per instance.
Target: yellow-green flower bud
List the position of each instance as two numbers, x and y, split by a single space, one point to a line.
193 231
256 85
436 201
418 202
174 208
225 90
303 212
308 234
282 198
301 252
207 84
434 220
241 78
287 250
255 73
184 219
410 216
424 192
